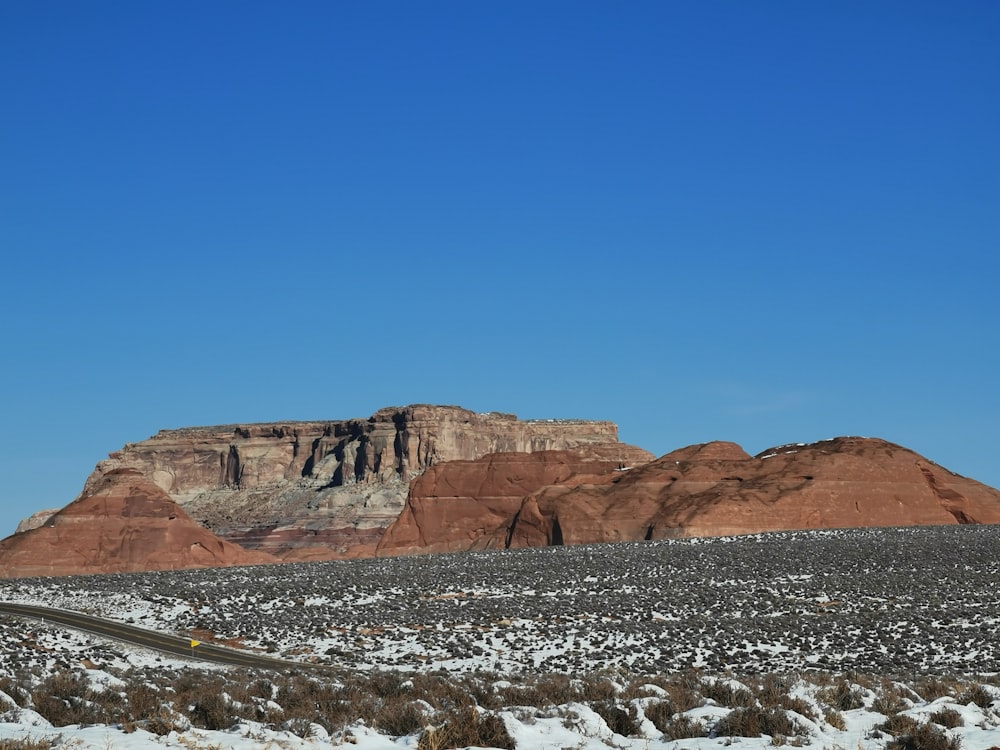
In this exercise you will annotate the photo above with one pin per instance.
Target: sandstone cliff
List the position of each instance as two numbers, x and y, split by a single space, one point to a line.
436 478
313 490
123 524
716 489
460 504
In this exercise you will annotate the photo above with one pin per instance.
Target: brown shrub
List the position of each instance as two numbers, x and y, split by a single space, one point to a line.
465 727
977 694
441 691
399 717
245 687
948 718
682 727
596 687
63 698
897 724
772 689
555 690
384 684
659 712
685 694
889 699
211 710
645 687
619 720
924 736
842 696
14 687
932 688
835 719
755 721
28 744
726 694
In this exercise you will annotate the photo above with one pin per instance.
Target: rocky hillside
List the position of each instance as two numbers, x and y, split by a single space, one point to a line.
316 490
125 524
458 505
422 479
714 489
717 489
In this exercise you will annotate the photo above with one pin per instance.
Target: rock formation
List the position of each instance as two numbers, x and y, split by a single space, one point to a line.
422 479
35 520
124 523
717 489
316 490
460 504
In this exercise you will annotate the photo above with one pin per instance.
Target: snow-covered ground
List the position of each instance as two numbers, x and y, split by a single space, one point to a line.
903 603
579 728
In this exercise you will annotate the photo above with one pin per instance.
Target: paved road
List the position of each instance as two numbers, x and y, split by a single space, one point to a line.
168 644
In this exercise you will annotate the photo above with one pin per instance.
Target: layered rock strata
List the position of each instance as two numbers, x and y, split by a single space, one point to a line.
124 523
314 490
713 489
717 489
460 504
35 520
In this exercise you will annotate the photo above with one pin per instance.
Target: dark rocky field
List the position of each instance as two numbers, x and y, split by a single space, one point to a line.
901 602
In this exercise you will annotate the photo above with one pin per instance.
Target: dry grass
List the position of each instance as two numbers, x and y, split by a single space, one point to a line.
889 700
949 718
924 736
682 727
755 721
835 719
465 727
842 696
661 713
27 744
932 688
620 720
65 698
407 704
726 694
977 694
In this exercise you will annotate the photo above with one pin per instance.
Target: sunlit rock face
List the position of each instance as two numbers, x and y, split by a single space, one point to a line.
327 489
422 479
716 489
461 505
124 523
35 520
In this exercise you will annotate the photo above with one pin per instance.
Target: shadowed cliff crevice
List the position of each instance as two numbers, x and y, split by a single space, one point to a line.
951 501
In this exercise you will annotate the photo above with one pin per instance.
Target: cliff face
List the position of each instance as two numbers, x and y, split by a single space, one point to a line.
460 505
716 489
440 478
310 490
124 524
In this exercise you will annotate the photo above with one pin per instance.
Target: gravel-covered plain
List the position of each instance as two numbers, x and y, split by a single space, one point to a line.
891 601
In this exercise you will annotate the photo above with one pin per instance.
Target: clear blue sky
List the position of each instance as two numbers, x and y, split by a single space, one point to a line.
763 222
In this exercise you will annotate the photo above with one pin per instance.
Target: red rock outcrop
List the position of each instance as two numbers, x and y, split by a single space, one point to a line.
125 523
324 489
717 489
459 505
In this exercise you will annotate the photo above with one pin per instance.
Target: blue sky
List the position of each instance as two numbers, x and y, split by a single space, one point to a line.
763 222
